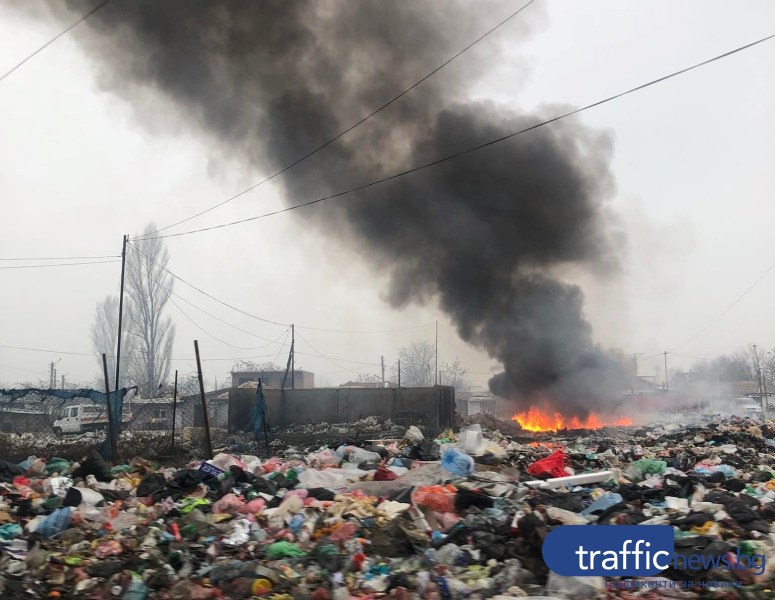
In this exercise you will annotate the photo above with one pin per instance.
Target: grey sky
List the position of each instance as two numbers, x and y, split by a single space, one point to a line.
692 159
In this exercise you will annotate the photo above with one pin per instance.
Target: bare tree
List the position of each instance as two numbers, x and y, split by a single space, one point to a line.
417 361
104 333
149 287
455 375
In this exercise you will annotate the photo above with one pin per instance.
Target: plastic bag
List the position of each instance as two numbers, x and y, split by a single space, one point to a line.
324 458
457 462
55 523
330 478
230 503
413 434
648 466
551 466
472 441
283 550
436 497
357 456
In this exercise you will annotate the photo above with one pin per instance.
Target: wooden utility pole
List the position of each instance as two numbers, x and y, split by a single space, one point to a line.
174 406
205 417
111 427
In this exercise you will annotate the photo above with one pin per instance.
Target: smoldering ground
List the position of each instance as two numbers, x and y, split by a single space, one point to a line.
483 235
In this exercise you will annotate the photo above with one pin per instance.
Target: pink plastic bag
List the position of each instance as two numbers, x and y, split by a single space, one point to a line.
228 504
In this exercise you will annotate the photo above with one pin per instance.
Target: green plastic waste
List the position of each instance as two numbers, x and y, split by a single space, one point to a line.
57 465
189 504
649 466
284 550
119 469
10 531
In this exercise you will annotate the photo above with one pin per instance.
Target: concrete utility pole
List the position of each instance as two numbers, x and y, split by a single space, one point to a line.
399 372
382 360
762 399
635 356
293 356
667 387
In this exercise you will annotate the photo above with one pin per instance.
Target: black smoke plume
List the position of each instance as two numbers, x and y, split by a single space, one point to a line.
484 235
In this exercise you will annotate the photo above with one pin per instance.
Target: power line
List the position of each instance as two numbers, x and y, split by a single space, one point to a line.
353 126
217 339
62 257
73 264
360 331
133 246
472 148
169 291
70 353
54 39
319 353
730 307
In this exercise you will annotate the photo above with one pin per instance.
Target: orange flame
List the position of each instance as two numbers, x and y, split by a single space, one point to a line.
535 419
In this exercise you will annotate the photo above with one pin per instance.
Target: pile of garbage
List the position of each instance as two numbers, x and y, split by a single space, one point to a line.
462 515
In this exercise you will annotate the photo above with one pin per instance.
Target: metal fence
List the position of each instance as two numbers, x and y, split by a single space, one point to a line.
68 423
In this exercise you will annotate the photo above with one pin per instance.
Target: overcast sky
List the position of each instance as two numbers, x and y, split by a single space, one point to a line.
692 159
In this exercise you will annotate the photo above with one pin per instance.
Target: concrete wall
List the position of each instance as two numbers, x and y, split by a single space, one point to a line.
344 405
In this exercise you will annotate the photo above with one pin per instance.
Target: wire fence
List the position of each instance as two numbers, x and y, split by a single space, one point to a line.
69 423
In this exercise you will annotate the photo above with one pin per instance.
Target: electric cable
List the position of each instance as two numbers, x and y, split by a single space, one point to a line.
470 149
54 39
350 128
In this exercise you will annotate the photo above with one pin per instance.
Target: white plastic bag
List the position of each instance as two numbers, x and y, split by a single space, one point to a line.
472 441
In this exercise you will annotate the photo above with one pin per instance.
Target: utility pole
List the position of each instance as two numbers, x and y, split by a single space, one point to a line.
174 406
120 309
667 386
293 356
205 416
63 382
112 427
399 372
635 356
437 354
52 375
762 399
382 360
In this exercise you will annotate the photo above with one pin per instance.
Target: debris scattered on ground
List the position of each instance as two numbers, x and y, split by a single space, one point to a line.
389 513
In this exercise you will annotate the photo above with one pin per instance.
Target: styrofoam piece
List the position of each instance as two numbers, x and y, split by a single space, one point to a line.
572 480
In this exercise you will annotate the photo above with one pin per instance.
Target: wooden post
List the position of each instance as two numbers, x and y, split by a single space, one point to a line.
111 429
205 417
174 407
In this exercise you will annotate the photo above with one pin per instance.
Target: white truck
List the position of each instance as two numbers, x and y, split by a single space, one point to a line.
85 417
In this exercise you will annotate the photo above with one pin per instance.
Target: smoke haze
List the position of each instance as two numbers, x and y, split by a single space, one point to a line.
482 235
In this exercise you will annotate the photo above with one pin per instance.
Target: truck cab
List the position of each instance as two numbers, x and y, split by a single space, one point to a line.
81 418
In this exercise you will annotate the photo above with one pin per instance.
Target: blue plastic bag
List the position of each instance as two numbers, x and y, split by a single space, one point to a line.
457 462
55 523
605 501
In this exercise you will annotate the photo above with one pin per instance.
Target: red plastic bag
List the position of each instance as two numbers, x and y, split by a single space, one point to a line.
551 466
384 474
